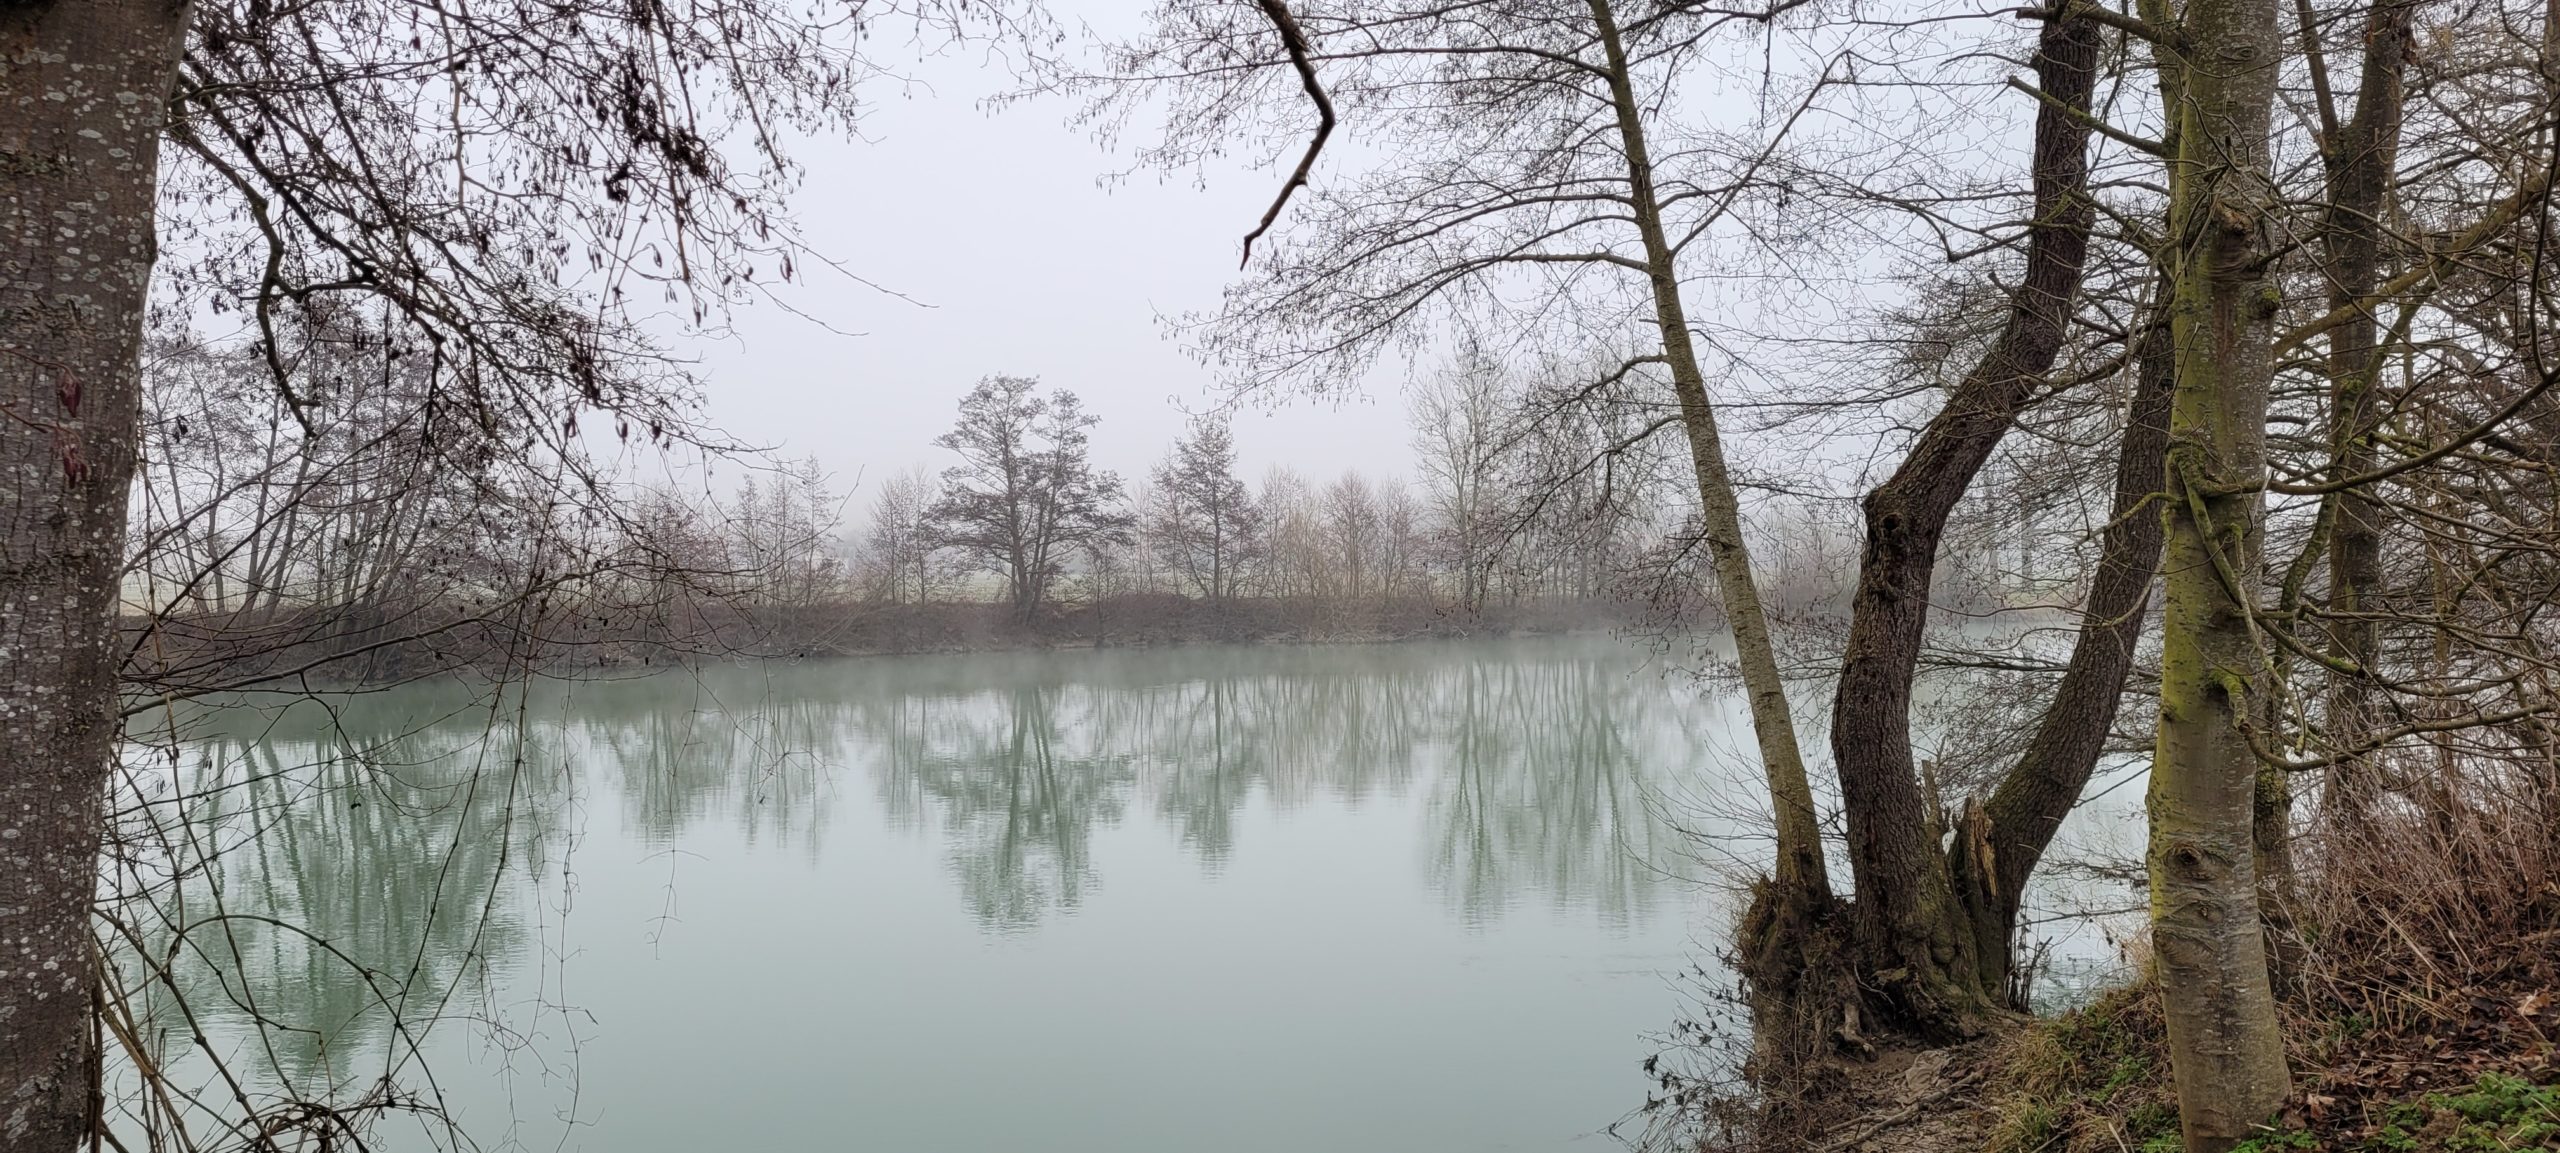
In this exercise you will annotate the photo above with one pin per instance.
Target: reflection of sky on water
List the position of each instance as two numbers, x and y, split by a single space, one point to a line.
1137 894
453 870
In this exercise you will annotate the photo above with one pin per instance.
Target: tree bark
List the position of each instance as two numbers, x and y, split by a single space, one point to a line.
84 90
1993 861
2225 1047
2359 160
1917 947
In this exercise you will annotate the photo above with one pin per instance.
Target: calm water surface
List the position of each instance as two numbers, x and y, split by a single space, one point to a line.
1399 898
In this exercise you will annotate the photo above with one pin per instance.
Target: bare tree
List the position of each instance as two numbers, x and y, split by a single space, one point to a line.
1403 543
783 531
1581 474
1294 553
900 544
1910 921
1025 496
1200 517
1356 533
1459 417
580 156
679 561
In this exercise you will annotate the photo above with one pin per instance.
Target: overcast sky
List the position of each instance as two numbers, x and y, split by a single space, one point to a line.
1020 262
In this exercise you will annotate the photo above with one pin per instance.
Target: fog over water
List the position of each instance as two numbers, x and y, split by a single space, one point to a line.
1411 897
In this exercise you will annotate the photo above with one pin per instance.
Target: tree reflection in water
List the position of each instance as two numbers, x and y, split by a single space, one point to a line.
347 877
309 890
1530 762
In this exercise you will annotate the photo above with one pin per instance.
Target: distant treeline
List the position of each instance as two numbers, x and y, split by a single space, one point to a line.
292 651
386 526
1519 507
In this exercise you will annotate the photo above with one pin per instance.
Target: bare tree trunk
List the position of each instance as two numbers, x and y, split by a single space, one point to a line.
84 87
2359 160
1800 871
1909 921
1997 854
2225 1047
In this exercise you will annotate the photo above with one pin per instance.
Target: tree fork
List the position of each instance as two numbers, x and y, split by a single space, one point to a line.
1917 940
2028 806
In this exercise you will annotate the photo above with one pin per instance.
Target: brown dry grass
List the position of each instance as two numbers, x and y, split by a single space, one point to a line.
2421 953
2429 952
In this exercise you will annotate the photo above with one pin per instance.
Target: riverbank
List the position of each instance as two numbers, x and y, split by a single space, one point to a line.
2418 971
2467 1070
373 645
1145 621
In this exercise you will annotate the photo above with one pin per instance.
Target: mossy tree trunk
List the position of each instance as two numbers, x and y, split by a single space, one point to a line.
2226 1049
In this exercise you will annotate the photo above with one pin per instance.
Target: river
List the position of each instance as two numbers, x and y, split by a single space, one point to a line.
1410 898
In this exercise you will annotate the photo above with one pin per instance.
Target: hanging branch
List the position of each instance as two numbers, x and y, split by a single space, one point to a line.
1296 42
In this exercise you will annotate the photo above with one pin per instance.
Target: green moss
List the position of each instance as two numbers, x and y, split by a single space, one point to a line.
2275 1142
2095 1081
2498 1114
2159 1123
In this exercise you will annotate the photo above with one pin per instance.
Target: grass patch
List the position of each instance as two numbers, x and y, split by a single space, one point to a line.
2091 1079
